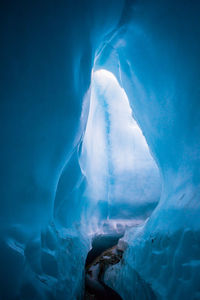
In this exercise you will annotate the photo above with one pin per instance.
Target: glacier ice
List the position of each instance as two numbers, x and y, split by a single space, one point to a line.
159 73
115 158
48 53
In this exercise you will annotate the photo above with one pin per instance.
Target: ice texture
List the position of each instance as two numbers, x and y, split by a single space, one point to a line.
159 70
115 158
47 54
48 51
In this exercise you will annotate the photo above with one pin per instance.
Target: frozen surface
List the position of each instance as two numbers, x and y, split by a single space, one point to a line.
122 178
159 61
157 265
48 51
47 55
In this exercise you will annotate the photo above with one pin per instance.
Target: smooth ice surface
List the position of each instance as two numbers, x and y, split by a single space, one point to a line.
47 55
159 65
122 177
48 52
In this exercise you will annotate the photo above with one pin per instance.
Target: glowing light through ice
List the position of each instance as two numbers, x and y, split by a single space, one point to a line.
115 156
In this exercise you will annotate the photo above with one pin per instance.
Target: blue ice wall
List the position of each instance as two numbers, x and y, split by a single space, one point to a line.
48 50
47 53
158 55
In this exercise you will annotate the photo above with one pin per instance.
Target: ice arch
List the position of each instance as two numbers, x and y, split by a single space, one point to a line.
48 52
123 179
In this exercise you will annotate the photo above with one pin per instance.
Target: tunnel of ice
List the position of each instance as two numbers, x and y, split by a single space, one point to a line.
48 53
123 181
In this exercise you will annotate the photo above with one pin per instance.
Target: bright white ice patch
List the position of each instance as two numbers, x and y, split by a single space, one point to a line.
115 156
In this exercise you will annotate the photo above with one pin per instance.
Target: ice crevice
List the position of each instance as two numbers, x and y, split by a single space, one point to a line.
81 151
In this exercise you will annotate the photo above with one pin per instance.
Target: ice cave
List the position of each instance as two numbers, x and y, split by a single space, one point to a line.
100 159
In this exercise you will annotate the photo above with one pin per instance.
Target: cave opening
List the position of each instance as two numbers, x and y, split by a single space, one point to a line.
123 181
65 181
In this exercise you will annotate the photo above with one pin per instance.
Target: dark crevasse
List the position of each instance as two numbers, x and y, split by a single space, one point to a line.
96 263
100 243
107 251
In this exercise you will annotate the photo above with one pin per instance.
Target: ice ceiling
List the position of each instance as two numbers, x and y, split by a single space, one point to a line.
48 51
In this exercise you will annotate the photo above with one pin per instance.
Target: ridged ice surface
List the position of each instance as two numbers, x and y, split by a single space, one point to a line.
48 52
162 266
